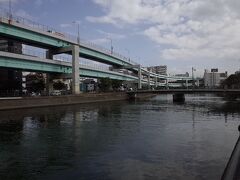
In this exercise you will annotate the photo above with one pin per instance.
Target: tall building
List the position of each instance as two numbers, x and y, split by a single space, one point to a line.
214 78
10 79
158 69
10 46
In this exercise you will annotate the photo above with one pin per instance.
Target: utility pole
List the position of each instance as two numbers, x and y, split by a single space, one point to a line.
78 38
128 53
10 10
78 31
111 47
111 44
193 83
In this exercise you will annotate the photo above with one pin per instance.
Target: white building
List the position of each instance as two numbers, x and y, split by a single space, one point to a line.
158 69
182 75
214 79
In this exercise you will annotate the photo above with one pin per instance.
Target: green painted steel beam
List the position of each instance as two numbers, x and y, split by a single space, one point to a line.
46 41
100 57
102 74
26 65
33 66
30 36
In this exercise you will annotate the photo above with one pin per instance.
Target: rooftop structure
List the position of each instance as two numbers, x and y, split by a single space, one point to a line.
158 69
214 78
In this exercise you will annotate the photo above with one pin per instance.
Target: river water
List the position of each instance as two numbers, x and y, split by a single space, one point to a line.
150 139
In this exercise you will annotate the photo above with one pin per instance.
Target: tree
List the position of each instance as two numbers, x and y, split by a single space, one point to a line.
59 85
105 84
233 81
35 82
116 84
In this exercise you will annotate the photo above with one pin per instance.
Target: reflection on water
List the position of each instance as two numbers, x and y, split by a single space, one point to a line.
154 139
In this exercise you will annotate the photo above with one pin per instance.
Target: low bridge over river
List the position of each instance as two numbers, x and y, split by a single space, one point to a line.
179 94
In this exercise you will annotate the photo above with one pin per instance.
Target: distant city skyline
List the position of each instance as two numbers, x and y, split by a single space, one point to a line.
179 33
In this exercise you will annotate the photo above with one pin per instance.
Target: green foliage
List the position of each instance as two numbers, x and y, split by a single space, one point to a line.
233 81
35 82
59 85
105 84
116 84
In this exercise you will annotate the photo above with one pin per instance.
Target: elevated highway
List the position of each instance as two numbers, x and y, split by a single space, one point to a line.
54 42
30 63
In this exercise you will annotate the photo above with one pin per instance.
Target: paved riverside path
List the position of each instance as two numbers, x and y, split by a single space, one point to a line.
42 101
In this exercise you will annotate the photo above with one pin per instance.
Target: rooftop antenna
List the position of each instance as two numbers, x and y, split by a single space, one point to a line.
10 10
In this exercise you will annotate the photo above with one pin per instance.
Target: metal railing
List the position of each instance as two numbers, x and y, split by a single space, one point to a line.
83 63
24 51
4 15
10 93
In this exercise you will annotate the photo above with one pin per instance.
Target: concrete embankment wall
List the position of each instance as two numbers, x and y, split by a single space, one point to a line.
28 102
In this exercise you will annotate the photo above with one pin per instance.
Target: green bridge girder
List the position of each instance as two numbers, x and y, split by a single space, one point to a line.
49 40
100 57
29 36
9 62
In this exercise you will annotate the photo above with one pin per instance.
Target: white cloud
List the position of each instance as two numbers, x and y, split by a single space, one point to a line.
100 41
185 29
38 2
7 1
24 14
65 25
72 24
112 35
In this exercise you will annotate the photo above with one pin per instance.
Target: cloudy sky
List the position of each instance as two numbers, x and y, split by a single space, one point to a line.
178 33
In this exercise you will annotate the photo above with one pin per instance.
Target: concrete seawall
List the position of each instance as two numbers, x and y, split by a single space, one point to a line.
29 102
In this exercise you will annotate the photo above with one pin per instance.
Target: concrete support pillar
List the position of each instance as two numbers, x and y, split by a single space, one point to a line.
182 82
198 83
156 82
139 77
49 84
75 70
167 84
187 84
178 97
49 54
149 85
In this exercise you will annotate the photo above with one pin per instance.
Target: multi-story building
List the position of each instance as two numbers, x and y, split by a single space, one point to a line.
158 69
10 79
182 75
214 78
10 46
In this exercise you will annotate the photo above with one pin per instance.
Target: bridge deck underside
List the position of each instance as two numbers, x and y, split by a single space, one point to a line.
39 65
45 40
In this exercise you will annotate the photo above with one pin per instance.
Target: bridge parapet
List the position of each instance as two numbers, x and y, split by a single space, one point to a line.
25 23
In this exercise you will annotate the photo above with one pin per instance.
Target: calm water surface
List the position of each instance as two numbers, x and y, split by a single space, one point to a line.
154 139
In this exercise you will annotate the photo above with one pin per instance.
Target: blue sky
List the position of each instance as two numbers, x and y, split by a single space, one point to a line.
176 33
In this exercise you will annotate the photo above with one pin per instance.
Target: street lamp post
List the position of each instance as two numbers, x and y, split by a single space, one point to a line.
128 53
193 83
10 10
111 44
78 26
111 47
